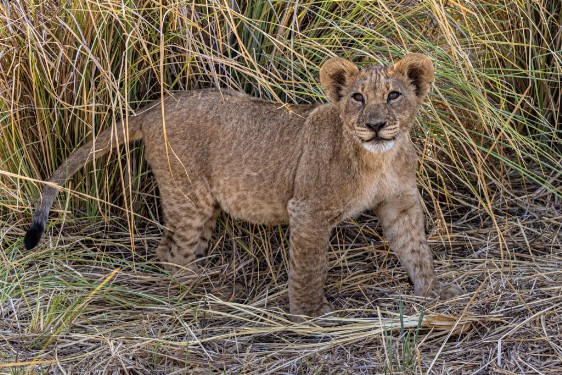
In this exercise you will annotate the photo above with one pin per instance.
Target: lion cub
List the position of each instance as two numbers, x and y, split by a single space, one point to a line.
307 166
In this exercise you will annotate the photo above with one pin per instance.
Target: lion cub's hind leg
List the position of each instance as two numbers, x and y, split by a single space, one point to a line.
208 229
190 221
165 244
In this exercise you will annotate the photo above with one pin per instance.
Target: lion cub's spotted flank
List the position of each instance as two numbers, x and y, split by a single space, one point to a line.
306 166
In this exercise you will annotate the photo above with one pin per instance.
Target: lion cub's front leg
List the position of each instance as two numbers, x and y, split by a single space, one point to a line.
403 225
308 267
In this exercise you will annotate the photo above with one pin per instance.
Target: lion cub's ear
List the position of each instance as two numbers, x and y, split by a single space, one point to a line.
335 74
419 69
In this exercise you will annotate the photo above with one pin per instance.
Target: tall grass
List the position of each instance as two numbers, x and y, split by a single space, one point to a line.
71 69
488 137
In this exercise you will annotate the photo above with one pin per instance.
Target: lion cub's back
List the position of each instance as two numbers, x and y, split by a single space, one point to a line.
243 149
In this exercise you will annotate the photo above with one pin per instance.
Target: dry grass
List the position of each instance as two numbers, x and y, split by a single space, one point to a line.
489 139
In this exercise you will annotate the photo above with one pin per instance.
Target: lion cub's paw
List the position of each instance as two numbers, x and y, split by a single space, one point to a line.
179 270
300 313
449 291
438 290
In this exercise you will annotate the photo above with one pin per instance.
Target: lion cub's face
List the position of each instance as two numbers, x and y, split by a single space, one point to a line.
378 104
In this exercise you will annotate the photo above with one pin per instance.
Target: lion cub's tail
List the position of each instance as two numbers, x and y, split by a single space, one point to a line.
106 140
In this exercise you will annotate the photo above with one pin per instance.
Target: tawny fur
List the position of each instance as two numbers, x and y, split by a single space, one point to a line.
306 166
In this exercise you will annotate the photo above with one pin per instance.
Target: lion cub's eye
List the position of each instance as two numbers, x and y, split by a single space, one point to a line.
358 97
393 95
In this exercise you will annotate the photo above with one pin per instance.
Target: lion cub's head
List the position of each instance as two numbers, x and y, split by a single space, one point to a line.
378 104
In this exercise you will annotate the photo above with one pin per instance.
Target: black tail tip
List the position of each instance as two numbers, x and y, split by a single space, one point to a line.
32 236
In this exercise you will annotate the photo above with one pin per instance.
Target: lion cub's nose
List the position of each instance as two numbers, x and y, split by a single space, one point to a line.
376 127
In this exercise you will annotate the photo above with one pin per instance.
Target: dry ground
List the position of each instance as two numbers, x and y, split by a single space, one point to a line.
82 303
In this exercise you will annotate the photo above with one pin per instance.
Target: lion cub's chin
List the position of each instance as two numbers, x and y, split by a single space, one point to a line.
378 147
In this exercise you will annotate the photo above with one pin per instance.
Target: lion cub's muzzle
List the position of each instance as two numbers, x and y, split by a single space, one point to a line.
380 132
378 136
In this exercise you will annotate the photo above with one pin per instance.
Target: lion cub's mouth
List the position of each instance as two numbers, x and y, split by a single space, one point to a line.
378 144
378 139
